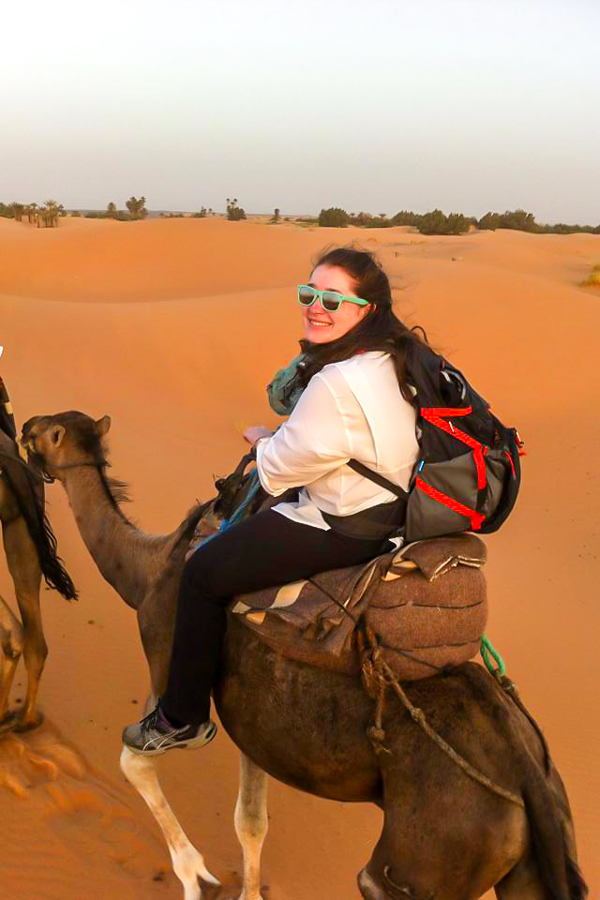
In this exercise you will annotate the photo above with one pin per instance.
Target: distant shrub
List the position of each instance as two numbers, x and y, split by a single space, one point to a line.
276 217
489 222
405 217
517 220
593 279
201 214
334 217
380 221
75 214
562 228
368 220
234 212
436 222
520 220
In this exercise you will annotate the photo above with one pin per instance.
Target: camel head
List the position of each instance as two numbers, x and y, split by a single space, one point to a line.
64 441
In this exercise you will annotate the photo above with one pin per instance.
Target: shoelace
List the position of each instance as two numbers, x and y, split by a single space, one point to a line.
151 720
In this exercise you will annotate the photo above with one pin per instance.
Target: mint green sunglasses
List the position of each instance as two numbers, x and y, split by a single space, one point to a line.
330 300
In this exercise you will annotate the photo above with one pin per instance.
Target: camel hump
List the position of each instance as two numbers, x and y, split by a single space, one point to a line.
179 541
426 604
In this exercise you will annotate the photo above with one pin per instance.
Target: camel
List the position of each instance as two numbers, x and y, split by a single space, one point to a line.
30 548
445 836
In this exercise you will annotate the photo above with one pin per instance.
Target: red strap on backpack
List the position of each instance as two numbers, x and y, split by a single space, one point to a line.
475 517
437 417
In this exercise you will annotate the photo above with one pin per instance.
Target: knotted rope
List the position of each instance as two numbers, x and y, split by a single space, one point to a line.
377 677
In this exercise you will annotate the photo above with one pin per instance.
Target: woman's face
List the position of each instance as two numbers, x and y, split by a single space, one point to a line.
321 326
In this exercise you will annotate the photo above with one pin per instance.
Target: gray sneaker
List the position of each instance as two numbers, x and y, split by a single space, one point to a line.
154 736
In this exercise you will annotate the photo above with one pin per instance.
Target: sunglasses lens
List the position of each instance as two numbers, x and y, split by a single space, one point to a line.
331 301
306 296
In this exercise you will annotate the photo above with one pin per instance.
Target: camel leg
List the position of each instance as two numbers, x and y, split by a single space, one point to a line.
188 863
251 823
24 568
11 641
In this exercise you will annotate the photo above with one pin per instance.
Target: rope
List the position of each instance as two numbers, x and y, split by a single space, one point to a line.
510 688
375 669
486 649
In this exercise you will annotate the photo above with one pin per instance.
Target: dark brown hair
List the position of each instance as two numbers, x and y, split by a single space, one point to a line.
380 329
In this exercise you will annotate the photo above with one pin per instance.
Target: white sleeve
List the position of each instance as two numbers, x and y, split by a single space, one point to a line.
313 442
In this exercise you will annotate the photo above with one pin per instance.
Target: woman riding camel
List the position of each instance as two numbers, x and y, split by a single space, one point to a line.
347 398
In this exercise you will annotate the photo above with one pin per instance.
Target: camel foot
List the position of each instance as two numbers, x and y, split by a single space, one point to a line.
210 890
24 725
8 722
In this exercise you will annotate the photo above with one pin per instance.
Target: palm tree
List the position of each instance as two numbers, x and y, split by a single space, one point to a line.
111 210
137 208
51 211
32 209
18 210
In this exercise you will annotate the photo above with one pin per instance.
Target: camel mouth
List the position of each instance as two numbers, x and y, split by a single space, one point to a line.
35 460
28 451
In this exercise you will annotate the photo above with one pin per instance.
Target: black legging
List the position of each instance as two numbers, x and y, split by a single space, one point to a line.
264 551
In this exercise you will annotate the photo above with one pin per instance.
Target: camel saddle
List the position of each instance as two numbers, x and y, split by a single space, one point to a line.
426 604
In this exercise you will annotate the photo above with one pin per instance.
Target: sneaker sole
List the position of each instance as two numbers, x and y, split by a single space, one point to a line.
199 741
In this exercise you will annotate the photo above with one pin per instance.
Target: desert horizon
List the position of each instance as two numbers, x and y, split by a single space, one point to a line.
174 328
434 221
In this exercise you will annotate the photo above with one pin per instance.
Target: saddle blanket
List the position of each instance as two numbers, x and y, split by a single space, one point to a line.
426 604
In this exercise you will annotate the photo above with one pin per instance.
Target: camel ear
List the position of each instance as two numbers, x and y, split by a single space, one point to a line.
103 425
57 433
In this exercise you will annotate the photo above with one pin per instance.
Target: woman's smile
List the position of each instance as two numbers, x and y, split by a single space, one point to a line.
320 327
318 322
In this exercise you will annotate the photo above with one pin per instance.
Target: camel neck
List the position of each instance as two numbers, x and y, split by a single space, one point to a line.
123 554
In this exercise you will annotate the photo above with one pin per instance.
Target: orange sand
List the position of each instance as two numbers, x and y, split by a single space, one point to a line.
174 328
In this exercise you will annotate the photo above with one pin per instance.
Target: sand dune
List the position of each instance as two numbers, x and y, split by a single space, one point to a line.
174 327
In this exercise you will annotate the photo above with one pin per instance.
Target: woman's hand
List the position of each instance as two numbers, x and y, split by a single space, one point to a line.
254 432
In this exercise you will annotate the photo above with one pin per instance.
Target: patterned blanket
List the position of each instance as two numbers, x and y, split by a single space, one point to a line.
426 603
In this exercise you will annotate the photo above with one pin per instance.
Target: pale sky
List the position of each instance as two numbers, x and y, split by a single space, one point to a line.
376 105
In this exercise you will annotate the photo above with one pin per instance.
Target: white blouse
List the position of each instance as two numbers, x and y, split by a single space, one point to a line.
350 410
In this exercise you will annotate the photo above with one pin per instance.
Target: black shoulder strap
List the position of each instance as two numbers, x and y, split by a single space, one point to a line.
377 478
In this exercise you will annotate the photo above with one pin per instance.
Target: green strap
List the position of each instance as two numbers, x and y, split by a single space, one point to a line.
487 649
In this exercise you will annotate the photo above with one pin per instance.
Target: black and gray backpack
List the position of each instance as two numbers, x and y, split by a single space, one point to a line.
468 473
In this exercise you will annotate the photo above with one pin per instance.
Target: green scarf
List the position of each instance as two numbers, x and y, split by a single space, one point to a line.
284 390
